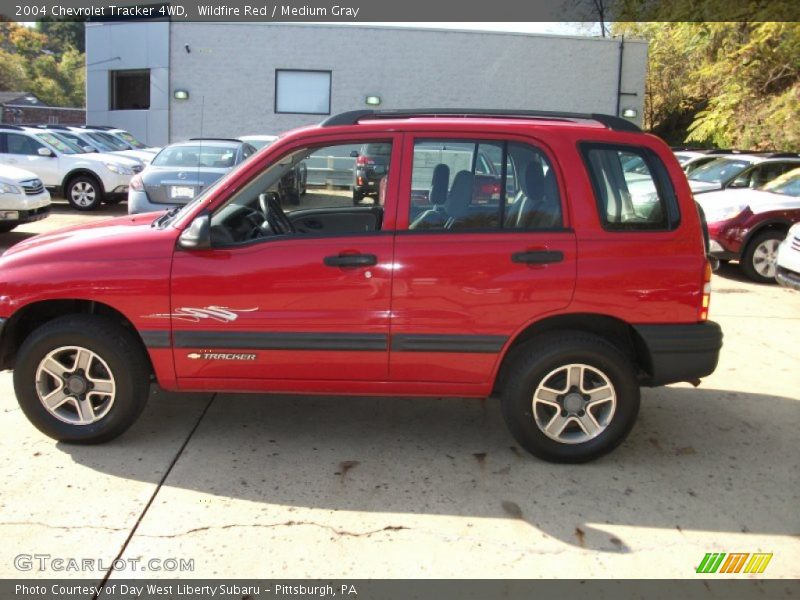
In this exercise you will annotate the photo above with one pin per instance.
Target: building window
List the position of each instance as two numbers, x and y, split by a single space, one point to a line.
303 92
130 90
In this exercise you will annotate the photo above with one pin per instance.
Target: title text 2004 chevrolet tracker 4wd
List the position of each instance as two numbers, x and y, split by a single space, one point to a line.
530 265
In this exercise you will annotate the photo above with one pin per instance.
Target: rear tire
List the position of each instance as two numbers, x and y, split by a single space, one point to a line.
570 397
82 379
6 227
84 193
357 197
760 257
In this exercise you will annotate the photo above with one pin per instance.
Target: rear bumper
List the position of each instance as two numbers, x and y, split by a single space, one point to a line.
680 352
139 202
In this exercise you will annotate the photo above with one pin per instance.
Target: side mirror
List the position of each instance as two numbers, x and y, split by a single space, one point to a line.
198 235
44 152
354 154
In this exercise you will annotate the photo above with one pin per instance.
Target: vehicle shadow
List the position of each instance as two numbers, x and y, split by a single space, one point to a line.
59 206
14 237
734 272
706 460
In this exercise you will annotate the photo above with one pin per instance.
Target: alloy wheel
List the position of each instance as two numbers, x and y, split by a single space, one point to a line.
765 258
574 403
75 385
83 193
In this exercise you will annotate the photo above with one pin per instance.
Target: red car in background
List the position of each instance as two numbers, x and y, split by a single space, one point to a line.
749 225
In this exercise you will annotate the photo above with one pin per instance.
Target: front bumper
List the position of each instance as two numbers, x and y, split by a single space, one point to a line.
788 278
680 352
2 358
19 217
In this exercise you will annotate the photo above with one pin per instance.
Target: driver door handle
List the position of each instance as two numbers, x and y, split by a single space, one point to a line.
538 257
351 260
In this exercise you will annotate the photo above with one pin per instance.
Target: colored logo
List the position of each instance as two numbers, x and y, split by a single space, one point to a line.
736 562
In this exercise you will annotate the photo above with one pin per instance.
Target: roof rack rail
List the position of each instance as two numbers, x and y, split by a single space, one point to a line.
98 127
52 126
215 139
782 155
725 151
14 127
354 116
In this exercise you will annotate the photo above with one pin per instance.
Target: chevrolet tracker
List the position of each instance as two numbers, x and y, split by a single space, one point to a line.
553 260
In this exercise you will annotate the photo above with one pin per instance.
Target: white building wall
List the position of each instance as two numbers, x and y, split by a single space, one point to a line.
229 72
118 46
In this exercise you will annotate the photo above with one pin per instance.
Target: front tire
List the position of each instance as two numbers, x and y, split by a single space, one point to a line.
84 193
82 379
760 258
570 397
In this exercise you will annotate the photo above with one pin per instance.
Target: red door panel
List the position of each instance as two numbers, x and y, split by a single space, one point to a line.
275 310
465 289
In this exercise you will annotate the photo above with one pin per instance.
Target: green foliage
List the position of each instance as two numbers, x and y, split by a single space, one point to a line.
63 35
50 68
722 84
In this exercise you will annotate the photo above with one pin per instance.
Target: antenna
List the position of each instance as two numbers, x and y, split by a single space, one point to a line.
200 149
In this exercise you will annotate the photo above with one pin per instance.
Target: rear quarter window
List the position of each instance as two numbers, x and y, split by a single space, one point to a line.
632 188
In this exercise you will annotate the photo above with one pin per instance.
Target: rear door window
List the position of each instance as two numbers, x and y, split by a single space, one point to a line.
632 188
482 186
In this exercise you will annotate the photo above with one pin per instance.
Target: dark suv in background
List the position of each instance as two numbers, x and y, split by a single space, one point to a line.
372 164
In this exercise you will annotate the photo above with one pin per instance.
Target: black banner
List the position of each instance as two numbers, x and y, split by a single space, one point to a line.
398 589
360 11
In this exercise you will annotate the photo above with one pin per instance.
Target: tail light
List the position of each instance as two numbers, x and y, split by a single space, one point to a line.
136 183
490 190
706 292
360 180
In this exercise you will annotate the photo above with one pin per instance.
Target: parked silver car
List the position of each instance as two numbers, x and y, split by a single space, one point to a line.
181 171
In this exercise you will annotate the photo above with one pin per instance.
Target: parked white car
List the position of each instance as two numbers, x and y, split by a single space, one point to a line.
23 198
99 141
85 180
741 171
125 137
788 264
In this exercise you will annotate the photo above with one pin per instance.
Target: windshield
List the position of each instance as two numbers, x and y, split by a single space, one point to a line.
196 155
61 144
108 142
719 170
129 139
683 158
77 141
787 184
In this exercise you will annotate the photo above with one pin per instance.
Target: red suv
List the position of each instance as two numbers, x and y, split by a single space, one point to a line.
563 293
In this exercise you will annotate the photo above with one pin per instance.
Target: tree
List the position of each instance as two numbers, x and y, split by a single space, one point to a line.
723 84
51 69
63 35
